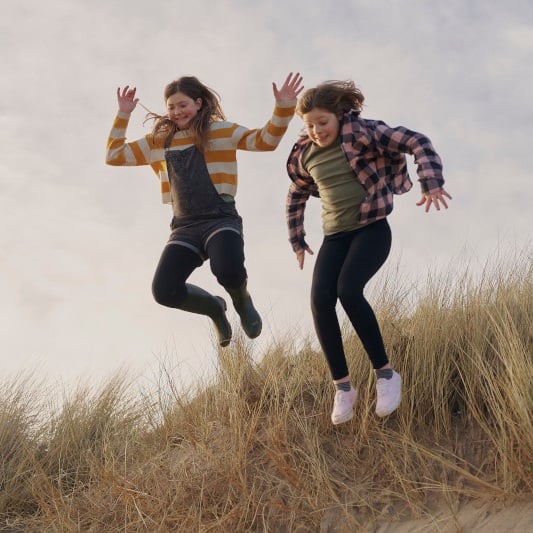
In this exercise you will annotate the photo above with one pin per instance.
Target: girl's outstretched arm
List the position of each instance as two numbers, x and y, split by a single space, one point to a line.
290 89
120 152
269 136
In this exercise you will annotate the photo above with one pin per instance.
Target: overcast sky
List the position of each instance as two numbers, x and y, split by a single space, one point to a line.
80 240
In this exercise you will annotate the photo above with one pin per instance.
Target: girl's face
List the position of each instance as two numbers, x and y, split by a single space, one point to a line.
322 126
182 109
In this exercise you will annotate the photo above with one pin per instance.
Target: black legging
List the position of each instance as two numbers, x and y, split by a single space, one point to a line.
343 266
226 257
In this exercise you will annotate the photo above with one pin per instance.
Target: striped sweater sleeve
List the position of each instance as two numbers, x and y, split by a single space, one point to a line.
268 137
122 153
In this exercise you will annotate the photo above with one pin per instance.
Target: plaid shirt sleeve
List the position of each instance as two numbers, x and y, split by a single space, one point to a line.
295 209
301 188
403 140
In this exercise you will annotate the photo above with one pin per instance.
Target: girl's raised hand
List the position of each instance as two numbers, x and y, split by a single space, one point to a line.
435 199
126 99
290 90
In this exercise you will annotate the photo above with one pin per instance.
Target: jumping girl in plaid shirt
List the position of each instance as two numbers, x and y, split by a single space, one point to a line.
355 166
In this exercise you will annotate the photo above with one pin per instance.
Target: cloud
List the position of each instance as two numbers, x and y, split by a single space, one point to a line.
81 240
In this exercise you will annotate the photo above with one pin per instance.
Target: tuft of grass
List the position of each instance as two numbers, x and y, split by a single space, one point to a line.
254 449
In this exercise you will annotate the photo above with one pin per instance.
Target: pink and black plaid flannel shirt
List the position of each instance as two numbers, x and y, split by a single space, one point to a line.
376 153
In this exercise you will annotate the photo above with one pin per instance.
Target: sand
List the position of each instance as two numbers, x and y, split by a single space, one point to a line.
473 517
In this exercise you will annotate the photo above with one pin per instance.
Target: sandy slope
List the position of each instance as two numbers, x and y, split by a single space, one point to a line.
482 517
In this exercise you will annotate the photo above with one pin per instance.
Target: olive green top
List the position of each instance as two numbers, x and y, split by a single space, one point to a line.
340 191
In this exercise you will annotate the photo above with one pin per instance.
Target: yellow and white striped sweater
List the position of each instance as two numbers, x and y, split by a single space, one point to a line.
225 138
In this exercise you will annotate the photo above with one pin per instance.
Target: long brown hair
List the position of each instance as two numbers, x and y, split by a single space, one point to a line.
334 96
209 112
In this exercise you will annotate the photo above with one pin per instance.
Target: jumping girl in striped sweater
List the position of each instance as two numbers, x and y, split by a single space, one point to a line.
192 149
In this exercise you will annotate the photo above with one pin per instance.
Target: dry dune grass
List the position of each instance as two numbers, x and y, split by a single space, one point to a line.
254 450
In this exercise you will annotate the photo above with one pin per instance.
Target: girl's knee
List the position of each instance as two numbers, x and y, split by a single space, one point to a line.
350 291
160 296
351 298
166 295
230 277
321 299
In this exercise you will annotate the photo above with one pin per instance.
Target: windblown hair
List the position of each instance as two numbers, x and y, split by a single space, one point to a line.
334 96
209 112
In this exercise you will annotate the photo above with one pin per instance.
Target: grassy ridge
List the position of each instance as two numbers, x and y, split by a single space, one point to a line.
255 450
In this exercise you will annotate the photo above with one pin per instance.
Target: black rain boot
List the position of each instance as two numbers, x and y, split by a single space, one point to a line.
203 303
250 319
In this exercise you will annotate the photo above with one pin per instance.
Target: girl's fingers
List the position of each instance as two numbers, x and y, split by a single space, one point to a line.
126 92
295 82
288 80
290 89
434 199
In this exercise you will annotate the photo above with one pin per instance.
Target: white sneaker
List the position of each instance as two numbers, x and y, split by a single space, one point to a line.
389 393
343 406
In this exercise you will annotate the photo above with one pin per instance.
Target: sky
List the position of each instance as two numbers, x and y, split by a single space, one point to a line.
80 240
